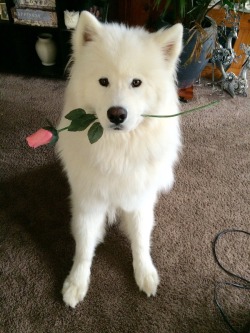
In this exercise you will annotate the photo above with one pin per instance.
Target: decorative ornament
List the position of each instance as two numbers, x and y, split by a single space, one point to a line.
71 19
46 49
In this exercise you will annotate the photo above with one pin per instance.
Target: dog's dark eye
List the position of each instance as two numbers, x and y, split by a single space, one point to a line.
104 82
136 83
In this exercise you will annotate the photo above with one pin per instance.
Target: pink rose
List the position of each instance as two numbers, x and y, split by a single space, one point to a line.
42 137
80 120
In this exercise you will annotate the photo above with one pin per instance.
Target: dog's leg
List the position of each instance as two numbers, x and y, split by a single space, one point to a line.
138 225
88 229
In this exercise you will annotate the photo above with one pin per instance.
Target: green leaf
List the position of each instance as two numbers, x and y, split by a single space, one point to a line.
82 123
75 114
95 132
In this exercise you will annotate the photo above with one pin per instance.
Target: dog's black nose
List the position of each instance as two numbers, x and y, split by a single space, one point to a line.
117 114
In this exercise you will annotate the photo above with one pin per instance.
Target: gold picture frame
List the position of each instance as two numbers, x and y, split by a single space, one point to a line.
3 12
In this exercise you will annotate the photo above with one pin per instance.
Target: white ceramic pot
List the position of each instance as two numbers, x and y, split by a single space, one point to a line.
71 19
46 49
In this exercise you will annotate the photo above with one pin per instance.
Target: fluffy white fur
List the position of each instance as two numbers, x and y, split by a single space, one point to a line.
126 169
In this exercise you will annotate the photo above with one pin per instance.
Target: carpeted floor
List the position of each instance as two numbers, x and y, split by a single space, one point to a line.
211 194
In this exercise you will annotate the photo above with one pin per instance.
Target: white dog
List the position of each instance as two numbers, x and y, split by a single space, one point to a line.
119 74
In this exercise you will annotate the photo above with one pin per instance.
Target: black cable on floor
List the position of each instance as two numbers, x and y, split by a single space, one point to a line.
245 282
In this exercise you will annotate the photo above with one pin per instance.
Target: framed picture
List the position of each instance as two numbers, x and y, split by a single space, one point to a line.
3 11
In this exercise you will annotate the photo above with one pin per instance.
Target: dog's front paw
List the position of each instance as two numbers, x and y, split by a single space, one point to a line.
147 279
74 291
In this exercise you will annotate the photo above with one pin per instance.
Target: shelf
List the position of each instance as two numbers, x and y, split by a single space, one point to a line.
18 54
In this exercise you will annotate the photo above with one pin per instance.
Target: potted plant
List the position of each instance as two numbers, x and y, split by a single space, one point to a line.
200 32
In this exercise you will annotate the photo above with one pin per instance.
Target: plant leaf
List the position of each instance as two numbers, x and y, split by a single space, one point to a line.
75 114
82 123
95 132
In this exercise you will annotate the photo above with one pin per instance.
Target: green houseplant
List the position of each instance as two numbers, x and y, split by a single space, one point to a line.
192 12
200 33
188 12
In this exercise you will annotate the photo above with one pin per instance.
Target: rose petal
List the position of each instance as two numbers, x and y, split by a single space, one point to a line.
39 138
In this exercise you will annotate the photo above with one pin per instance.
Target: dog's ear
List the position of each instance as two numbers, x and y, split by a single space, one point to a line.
170 41
88 27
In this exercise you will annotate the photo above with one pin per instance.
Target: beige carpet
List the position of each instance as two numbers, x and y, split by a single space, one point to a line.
211 194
